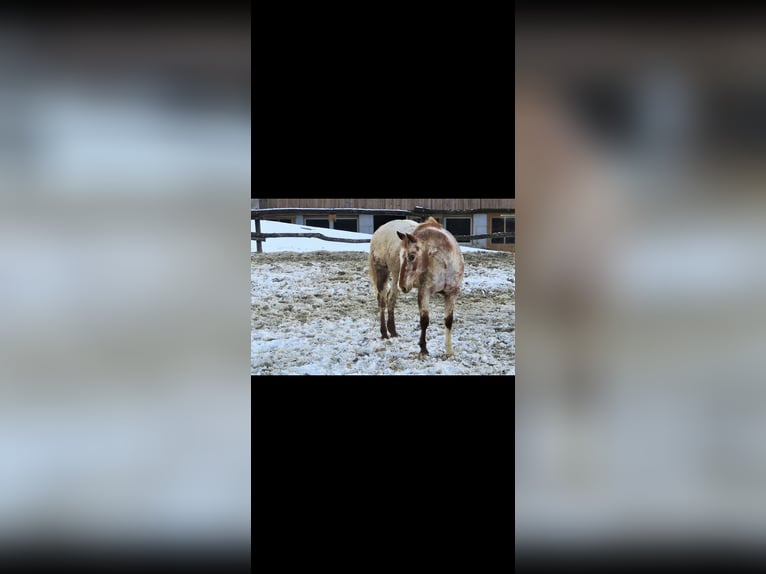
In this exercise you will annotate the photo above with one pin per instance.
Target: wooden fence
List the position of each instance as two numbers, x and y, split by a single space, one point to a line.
259 237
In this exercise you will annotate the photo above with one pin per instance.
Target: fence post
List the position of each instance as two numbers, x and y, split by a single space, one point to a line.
258 230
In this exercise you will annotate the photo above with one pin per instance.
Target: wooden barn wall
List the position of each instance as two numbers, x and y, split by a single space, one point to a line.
499 204
390 203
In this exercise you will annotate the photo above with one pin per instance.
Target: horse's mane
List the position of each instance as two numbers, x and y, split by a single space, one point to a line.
430 222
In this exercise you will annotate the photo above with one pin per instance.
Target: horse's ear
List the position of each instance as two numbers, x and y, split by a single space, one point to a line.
411 238
401 235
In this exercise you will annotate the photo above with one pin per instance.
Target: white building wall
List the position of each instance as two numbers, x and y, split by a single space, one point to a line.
366 224
479 228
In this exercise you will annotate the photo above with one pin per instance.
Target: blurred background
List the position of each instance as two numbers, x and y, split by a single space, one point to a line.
640 152
124 178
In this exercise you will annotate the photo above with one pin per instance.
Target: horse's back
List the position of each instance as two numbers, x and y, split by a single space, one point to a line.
385 243
390 228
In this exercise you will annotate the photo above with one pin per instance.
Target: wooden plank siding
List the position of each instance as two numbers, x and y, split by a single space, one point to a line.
499 204
390 203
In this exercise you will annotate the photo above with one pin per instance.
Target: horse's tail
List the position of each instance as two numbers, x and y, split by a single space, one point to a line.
373 274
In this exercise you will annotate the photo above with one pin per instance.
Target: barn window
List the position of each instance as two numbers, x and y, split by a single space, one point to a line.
347 223
503 224
458 226
318 222
378 220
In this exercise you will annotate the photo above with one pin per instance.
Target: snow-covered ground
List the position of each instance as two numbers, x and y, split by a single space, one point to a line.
314 312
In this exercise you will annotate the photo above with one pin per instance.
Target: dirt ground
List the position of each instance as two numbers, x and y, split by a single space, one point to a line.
316 313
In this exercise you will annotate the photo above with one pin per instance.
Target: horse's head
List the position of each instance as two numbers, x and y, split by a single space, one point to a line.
410 261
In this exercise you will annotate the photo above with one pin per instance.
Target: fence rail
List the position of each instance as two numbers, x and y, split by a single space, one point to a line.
254 236
263 236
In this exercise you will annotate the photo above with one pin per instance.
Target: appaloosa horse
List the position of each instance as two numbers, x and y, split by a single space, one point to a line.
384 260
431 260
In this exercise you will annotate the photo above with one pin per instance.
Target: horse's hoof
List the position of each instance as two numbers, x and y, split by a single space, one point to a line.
394 334
422 354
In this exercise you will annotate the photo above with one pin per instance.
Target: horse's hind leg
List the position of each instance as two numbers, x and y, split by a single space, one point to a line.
381 287
449 308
